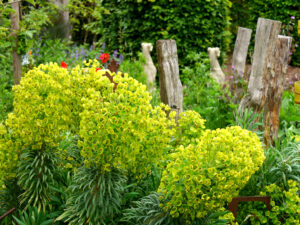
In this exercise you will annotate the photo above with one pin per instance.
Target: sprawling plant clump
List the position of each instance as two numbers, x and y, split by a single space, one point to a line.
203 177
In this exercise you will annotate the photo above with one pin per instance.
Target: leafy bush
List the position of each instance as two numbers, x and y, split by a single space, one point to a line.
204 177
129 23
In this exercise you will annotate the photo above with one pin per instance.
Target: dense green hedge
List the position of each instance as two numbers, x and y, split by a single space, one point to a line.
195 25
246 12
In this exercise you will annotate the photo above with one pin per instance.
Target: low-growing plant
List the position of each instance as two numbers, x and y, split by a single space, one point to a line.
94 197
285 202
32 217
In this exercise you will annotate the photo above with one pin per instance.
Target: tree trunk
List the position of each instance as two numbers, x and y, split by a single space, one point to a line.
15 26
241 50
171 92
275 89
64 17
265 41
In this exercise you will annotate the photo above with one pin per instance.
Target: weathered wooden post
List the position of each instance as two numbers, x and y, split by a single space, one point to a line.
171 92
275 89
265 40
241 50
15 26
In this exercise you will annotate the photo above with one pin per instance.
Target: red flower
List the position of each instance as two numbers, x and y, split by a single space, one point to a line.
104 57
64 65
98 69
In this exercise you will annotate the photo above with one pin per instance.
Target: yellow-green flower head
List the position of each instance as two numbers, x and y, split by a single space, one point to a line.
202 177
190 127
42 106
120 128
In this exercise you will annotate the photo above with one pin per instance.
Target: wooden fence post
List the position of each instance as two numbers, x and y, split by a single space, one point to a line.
275 89
241 50
265 40
171 92
15 26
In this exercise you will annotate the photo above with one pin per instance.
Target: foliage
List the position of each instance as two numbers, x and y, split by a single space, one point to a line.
6 77
135 68
285 204
35 175
86 17
245 13
94 196
9 197
135 135
203 177
289 111
129 23
42 107
33 217
203 95
189 128
8 154
282 163
146 211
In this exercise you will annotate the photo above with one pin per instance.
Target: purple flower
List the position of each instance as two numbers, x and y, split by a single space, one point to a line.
232 67
292 17
121 58
291 53
291 82
115 54
92 47
103 46
76 54
296 45
231 77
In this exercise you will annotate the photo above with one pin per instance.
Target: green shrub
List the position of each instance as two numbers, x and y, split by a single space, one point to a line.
204 177
195 25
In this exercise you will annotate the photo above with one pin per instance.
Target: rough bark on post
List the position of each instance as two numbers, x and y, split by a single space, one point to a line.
265 40
15 26
240 50
275 89
171 92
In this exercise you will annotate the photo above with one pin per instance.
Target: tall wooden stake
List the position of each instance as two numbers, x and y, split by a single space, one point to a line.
241 50
171 92
265 41
15 26
275 89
